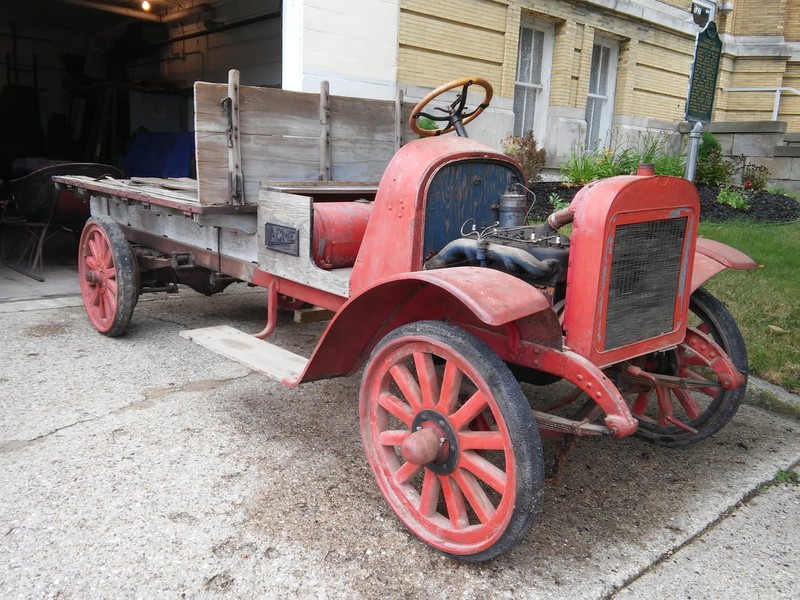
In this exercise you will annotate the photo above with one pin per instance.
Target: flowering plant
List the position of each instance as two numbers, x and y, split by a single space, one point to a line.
755 177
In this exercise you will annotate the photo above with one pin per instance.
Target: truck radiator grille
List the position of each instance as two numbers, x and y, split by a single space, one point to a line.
645 272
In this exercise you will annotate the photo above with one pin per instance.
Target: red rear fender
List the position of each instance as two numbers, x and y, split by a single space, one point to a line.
473 296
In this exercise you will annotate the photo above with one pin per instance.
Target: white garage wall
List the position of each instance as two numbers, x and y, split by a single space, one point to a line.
352 44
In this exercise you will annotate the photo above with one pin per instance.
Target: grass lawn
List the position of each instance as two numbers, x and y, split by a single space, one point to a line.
764 302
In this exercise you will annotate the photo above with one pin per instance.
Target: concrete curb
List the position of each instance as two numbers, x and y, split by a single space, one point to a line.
772 397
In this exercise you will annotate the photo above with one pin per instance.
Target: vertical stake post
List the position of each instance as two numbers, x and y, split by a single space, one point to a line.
324 131
235 174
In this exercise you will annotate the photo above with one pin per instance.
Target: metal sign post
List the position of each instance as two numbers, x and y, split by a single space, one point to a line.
702 87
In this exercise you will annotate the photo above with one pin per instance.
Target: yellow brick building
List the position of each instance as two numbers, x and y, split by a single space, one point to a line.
585 71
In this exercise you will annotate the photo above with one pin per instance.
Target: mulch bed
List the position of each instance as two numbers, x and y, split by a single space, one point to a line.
764 207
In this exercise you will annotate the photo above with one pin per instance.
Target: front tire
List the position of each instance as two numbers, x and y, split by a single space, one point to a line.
707 410
481 490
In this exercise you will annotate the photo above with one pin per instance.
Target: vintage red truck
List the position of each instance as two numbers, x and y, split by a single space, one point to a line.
447 298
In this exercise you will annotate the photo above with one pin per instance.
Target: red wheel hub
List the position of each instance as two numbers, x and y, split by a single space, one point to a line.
423 446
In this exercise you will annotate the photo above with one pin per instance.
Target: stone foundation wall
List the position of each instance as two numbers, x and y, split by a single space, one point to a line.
762 143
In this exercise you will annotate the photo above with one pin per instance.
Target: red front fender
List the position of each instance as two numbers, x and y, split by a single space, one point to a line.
471 295
711 257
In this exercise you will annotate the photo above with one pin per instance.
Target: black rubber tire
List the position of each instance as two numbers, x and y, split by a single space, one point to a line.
510 403
722 328
126 276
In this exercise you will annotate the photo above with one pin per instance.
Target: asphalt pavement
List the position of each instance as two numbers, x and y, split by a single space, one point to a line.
147 467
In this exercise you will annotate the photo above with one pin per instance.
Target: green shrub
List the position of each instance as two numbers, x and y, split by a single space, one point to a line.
582 167
658 150
733 197
670 164
610 163
776 190
579 168
526 152
557 202
708 143
713 169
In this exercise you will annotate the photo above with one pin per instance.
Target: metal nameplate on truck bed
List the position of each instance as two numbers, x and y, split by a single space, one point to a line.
282 239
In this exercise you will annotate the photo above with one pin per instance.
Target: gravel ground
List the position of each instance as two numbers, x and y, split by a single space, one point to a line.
147 467
764 207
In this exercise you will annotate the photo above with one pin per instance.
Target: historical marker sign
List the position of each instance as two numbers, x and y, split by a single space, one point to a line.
703 80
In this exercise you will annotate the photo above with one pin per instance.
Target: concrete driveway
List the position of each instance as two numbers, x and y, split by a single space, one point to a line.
146 466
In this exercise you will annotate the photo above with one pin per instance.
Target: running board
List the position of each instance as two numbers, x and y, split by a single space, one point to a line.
261 356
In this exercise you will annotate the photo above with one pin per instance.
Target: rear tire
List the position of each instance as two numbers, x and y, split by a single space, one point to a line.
109 276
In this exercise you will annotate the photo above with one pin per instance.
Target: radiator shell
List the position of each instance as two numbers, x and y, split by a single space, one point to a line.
628 285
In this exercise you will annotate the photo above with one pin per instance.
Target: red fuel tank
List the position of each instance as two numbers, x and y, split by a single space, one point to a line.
338 230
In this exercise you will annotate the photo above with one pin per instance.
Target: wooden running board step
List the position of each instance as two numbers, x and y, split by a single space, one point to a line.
269 359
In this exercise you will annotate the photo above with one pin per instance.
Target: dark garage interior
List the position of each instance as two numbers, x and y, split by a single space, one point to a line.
80 79
107 85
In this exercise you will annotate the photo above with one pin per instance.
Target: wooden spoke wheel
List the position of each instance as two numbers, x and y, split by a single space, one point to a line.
451 440
109 276
705 407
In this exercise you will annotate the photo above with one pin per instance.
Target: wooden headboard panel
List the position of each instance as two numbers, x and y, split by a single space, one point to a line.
290 136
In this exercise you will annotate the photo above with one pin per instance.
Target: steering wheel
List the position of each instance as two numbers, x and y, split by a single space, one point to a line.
455 114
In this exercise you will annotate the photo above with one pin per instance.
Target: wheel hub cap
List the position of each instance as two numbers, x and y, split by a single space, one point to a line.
432 443
96 277
422 446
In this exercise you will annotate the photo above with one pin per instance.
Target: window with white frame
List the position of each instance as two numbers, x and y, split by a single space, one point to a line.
600 101
532 81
